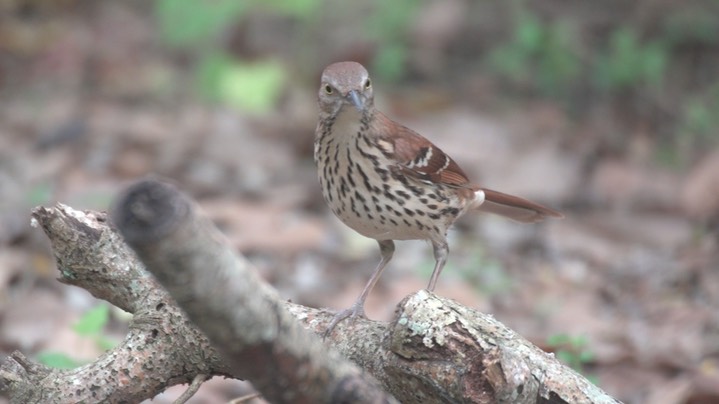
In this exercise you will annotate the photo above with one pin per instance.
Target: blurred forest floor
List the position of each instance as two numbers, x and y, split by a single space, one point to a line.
608 112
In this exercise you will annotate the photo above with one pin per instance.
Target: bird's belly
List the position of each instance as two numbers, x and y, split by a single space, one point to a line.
391 210
366 194
384 229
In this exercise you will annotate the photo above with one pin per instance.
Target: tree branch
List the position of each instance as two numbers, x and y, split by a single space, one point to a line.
435 350
91 255
225 297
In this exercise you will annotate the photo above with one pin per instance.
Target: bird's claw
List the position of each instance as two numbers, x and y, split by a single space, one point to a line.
351 313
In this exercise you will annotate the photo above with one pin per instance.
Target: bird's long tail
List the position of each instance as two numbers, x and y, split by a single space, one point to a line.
512 207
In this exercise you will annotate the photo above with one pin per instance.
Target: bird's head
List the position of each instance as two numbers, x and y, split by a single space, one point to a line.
345 84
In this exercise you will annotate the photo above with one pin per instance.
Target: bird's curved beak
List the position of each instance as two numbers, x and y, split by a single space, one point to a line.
355 99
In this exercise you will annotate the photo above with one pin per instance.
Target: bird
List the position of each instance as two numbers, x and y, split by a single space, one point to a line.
388 182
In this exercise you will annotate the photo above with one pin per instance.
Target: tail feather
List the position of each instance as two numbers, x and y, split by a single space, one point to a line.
514 207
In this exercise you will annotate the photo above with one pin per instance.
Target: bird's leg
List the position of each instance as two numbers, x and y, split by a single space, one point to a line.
386 248
441 251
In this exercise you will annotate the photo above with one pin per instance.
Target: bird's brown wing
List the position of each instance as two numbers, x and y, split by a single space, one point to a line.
416 156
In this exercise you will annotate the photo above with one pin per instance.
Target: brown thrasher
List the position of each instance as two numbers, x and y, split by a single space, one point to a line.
387 182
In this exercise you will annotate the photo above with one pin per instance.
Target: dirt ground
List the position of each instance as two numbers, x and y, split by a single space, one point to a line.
629 280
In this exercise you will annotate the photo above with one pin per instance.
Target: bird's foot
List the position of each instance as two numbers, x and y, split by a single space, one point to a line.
357 310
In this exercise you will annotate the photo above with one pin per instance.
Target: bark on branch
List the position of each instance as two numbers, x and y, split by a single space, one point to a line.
435 350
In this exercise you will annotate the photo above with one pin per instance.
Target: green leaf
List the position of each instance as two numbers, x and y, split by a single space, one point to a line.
105 343
586 356
93 321
390 60
510 62
579 341
654 63
629 63
557 340
295 8
565 356
558 64
253 87
57 360
529 33
389 20
188 23
209 74
39 194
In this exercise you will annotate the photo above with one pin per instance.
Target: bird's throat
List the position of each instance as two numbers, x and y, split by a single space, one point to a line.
347 123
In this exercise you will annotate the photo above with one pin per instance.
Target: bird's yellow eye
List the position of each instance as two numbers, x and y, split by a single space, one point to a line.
367 84
328 89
